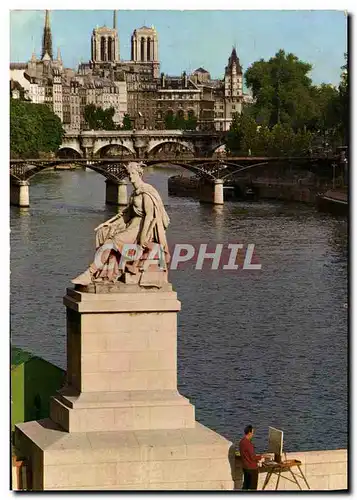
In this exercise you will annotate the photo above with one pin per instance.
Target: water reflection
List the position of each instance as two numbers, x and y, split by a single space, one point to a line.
218 215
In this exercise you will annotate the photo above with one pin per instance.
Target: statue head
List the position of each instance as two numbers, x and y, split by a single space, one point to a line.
135 172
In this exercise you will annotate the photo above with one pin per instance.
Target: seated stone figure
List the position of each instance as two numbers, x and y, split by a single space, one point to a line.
141 224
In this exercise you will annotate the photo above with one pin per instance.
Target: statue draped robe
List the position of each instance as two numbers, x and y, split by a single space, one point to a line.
127 229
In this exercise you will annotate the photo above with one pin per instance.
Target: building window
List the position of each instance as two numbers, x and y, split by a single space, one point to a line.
142 47
102 49
148 49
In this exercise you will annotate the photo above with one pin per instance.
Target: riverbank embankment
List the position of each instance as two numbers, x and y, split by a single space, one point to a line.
264 189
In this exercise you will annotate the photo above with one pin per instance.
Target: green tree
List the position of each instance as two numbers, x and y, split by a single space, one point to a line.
234 137
191 122
90 116
263 141
327 103
281 88
34 129
326 124
51 126
242 135
106 118
246 137
127 122
170 121
302 143
344 102
282 140
180 122
98 118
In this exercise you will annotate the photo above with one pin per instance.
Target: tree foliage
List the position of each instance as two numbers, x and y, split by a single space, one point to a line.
289 115
127 122
170 120
191 121
98 118
246 137
281 88
344 102
34 129
179 122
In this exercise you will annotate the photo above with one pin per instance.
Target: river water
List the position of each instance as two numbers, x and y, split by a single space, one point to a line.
267 347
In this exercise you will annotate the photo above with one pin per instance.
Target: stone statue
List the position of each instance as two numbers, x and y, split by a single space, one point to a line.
141 228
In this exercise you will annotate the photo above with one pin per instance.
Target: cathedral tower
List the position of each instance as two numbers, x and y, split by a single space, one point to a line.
145 45
105 44
47 37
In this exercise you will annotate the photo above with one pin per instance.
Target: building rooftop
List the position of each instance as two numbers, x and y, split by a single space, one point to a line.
18 65
201 70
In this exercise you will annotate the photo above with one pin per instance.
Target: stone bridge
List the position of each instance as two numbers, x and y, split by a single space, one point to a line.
139 143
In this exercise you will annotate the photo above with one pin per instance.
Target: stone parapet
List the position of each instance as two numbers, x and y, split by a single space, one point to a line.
324 470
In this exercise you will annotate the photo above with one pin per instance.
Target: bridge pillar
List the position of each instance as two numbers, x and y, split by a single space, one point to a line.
212 192
116 193
19 193
218 198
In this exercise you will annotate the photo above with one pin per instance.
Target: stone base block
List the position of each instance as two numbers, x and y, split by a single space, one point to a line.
122 411
179 459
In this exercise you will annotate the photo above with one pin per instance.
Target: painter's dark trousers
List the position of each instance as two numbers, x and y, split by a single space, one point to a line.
250 479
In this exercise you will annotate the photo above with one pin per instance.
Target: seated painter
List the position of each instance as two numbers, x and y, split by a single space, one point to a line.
141 224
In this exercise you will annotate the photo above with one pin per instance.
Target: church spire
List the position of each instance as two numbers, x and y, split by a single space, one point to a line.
47 37
114 19
47 20
234 60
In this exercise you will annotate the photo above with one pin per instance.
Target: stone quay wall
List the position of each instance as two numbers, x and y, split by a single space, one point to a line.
324 470
263 189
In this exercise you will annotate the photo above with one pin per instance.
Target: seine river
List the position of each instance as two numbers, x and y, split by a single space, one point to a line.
267 347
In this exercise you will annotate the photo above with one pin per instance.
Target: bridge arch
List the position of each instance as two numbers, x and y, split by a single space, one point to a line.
218 149
115 151
69 152
99 147
170 146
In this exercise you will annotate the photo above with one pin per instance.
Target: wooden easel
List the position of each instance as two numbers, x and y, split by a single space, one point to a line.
285 466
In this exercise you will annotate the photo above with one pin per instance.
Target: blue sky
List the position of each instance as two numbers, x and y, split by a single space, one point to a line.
189 39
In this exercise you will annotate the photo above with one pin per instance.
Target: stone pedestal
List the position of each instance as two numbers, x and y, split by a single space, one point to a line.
212 192
19 193
116 194
120 422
